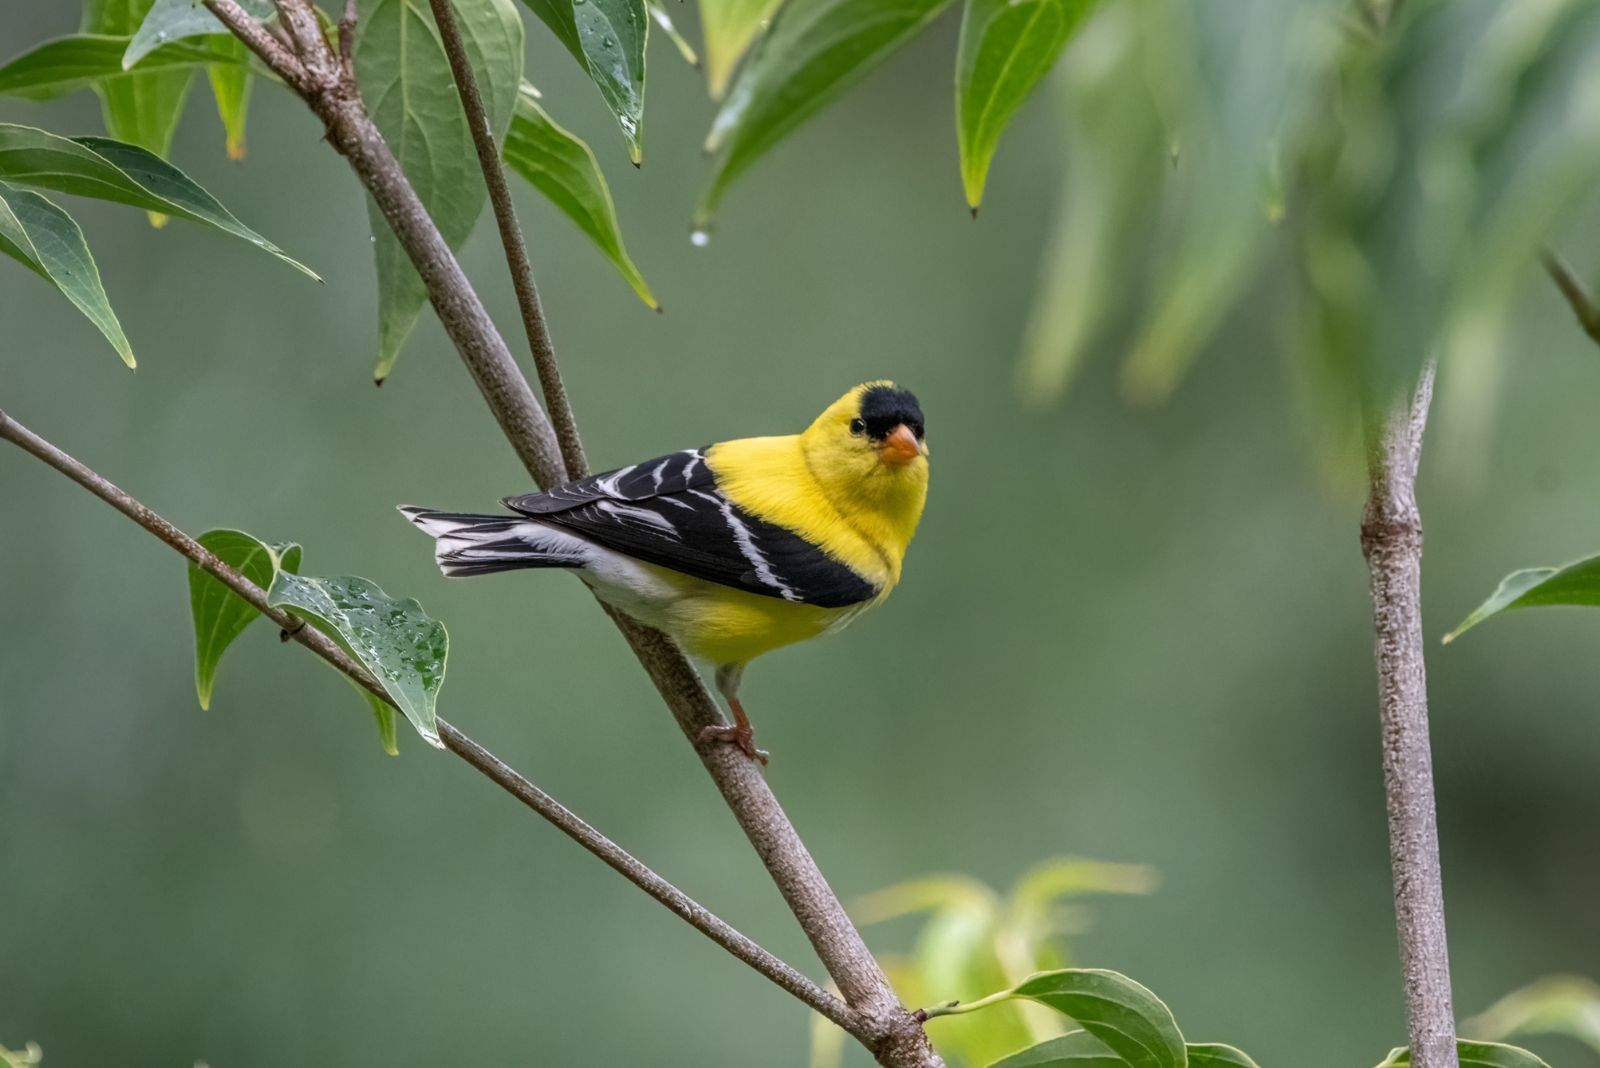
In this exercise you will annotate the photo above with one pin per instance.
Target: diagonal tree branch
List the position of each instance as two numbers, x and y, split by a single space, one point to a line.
505 216
499 772
894 1036
1576 296
1391 540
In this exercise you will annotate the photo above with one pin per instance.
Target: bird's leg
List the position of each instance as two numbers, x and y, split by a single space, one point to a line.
741 733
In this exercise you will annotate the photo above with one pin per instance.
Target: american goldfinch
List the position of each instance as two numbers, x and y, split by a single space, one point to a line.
734 549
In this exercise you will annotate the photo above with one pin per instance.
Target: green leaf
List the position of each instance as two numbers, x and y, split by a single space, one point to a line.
563 168
1574 584
679 41
383 713
1116 1010
607 38
728 28
815 50
1475 1055
126 174
1217 1055
1077 1049
48 241
142 108
219 614
175 20
401 645
1007 47
1556 1005
405 80
230 87
82 60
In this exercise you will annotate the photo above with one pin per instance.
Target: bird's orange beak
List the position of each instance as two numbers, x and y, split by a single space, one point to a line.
901 447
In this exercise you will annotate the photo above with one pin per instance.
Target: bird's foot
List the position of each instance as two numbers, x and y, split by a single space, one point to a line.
742 736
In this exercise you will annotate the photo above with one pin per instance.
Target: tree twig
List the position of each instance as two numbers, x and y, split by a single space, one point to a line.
1577 297
896 1039
516 249
497 770
1391 540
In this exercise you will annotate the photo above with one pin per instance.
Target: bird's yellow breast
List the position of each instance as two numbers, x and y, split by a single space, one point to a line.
774 479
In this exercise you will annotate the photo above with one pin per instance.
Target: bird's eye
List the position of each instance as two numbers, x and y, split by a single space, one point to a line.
857 426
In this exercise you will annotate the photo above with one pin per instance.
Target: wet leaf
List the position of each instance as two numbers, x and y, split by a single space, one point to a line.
562 167
47 240
815 50
403 647
1574 584
126 174
406 82
1007 47
175 20
219 614
607 38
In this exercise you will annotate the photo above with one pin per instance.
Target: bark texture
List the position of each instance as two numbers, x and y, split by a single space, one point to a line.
1391 539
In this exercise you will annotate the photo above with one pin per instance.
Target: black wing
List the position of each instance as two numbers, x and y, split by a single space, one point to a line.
668 511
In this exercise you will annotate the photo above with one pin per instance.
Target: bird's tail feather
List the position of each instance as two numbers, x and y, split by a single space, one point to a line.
466 544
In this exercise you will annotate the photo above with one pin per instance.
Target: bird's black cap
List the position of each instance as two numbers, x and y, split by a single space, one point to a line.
885 407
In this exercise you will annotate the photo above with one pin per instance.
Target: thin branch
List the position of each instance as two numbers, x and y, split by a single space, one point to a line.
896 1039
1577 297
1391 540
505 216
272 50
499 772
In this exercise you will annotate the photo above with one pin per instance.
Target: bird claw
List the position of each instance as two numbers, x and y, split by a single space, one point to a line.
743 737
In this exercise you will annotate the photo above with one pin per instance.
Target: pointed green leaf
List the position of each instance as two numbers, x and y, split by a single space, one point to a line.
1007 47
143 107
82 60
383 713
230 87
401 645
728 28
1218 1055
1574 584
679 41
563 168
47 240
607 38
1077 1049
1475 1055
175 20
814 51
219 614
1135 1023
406 83
109 170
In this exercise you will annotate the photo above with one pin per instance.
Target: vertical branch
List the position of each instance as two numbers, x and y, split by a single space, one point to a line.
1391 540
505 217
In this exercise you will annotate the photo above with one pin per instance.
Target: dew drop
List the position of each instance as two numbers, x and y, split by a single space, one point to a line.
608 43
699 238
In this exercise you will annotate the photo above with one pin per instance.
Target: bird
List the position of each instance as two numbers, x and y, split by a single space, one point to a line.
733 549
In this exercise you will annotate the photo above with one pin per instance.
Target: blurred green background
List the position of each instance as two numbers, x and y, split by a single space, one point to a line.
1139 634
